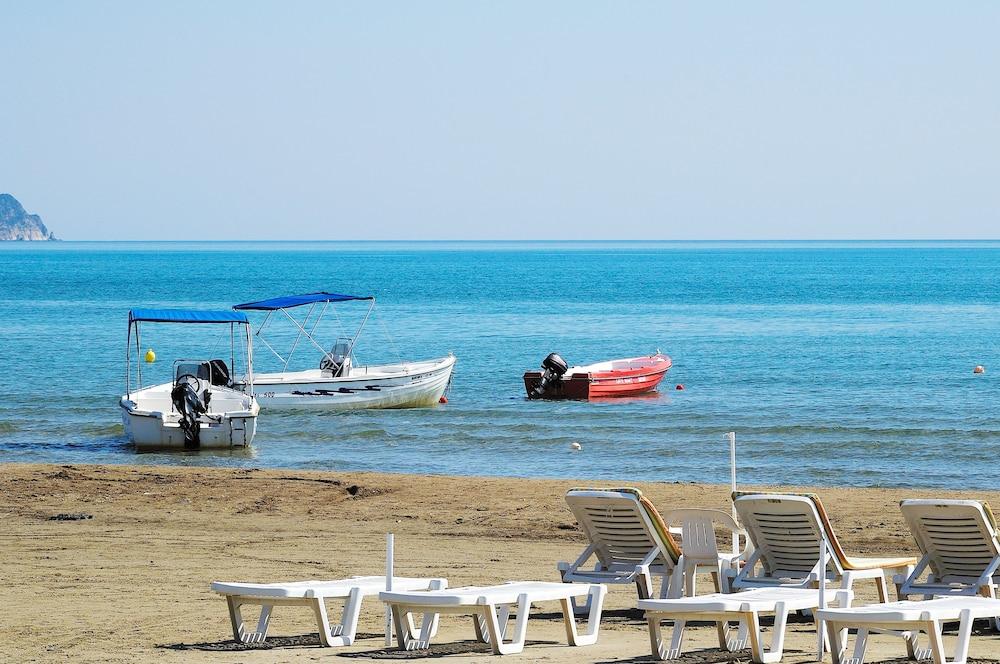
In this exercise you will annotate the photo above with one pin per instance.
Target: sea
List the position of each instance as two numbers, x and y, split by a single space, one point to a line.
835 363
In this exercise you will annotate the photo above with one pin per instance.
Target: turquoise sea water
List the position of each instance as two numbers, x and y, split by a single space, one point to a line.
835 363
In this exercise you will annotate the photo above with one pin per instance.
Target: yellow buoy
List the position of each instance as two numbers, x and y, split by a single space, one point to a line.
150 356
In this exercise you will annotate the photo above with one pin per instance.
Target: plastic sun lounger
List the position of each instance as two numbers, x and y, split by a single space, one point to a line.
911 617
628 538
785 530
491 608
959 546
312 594
722 608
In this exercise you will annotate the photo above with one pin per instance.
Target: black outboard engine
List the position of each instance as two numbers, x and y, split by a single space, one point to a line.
190 405
553 369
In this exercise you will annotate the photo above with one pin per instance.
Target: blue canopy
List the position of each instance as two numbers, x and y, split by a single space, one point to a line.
289 301
186 316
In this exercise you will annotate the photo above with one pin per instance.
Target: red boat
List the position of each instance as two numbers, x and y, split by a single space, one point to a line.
612 378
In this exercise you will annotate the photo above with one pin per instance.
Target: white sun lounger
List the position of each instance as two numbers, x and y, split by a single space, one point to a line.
491 607
627 538
959 546
911 617
312 594
785 530
721 608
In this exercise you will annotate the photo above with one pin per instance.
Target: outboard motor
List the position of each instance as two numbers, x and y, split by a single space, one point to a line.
553 369
190 405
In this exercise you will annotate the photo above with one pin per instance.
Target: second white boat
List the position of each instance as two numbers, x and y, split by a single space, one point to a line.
339 383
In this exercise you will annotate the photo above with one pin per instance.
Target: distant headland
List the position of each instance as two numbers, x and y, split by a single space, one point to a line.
16 224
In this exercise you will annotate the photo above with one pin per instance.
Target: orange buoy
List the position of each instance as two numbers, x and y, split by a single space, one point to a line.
443 399
679 386
979 369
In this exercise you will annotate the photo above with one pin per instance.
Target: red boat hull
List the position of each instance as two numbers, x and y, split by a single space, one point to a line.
641 375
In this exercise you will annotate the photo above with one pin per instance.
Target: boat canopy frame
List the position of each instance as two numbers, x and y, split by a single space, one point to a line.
286 302
187 317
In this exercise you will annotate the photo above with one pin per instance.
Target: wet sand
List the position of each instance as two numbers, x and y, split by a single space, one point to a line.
125 577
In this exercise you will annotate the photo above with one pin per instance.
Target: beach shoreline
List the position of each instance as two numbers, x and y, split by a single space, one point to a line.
128 579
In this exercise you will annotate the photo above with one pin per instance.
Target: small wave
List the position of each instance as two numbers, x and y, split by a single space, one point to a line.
101 429
8 427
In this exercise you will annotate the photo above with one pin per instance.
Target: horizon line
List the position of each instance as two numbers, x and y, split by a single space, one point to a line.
508 241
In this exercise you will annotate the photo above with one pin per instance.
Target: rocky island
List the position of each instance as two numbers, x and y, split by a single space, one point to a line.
16 224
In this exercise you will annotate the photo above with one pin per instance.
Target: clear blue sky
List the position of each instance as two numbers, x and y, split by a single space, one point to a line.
475 120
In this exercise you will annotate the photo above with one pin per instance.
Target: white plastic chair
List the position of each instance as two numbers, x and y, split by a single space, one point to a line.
700 550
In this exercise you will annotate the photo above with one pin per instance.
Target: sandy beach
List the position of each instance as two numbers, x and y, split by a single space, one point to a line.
130 580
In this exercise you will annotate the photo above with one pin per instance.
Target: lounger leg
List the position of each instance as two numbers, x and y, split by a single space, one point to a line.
933 628
595 598
428 628
860 645
235 618
516 644
344 633
778 633
660 650
437 584
482 627
264 621
753 629
964 634
913 650
402 638
405 629
323 622
479 623
731 639
837 646
240 632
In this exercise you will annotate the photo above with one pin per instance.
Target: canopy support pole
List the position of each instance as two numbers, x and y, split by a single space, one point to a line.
138 356
302 330
350 349
249 336
128 362
264 339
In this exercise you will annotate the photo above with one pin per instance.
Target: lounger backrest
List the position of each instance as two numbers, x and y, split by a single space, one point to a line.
623 527
785 530
959 537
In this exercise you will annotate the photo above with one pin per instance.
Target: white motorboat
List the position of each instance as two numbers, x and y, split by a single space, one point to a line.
201 408
339 382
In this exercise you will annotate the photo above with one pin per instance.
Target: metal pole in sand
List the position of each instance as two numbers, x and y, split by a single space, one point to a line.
822 595
388 587
732 467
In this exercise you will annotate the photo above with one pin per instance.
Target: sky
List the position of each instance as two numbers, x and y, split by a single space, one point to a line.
504 120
